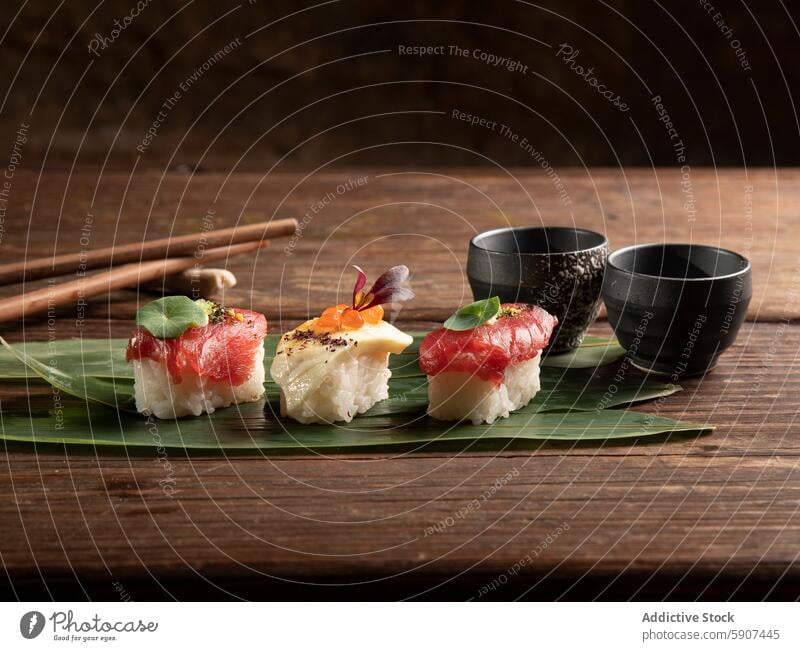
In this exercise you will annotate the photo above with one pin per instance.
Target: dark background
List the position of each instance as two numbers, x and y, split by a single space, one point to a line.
322 83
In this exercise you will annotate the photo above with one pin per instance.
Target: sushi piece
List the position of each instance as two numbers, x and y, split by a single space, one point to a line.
336 366
485 372
192 357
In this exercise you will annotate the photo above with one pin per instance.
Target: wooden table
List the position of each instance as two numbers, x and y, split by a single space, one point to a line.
695 517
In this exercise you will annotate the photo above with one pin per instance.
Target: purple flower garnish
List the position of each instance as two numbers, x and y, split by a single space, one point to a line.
387 288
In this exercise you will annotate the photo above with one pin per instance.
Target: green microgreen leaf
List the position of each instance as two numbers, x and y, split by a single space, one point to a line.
171 316
475 314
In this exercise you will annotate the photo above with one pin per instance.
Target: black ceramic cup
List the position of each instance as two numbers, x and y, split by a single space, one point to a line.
557 268
676 307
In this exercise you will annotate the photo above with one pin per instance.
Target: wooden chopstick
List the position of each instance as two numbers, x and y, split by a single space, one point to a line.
129 275
168 247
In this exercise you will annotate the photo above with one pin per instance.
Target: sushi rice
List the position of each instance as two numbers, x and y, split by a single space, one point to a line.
350 387
464 396
156 394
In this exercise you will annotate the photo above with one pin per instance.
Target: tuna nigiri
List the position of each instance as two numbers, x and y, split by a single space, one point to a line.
484 372
336 366
192 357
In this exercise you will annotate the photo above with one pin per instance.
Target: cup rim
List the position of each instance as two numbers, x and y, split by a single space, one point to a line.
612 256
518 229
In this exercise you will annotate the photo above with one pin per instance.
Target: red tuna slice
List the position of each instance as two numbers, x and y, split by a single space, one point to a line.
219 351
487 350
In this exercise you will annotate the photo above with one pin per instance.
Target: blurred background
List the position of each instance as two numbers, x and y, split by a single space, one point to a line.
260 85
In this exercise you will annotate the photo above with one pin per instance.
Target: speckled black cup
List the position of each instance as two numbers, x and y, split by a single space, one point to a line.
557 268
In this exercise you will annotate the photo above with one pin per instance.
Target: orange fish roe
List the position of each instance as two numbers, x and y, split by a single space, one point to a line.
331 317
341 316
373 315
329 321
352 319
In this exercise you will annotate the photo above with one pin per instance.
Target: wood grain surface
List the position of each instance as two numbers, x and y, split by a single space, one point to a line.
686 517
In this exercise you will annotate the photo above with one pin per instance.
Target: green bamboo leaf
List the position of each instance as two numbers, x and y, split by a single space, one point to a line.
91 357
117 393
572 406
254 427
593 352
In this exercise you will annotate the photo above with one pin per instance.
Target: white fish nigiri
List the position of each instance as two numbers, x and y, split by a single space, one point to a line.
336 366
